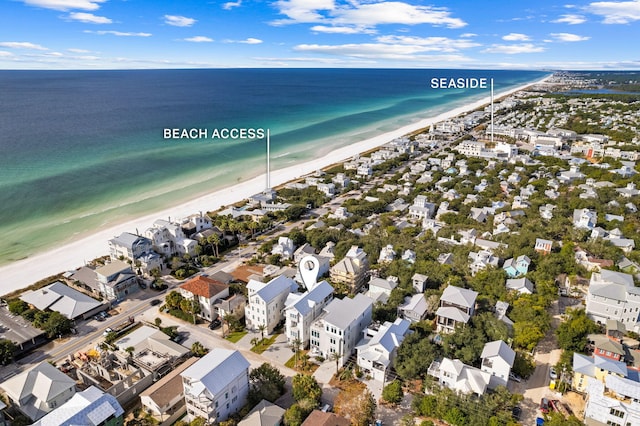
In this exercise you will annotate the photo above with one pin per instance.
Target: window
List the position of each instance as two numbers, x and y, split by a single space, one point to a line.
226 395
616 413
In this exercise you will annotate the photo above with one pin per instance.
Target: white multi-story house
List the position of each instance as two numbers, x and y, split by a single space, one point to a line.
284 247
414 308
457 305
339 328
421 208
116 280
613 295
497 360
216 386
91 407
208 292
39 390
128 246
380 289
168 239
266 302
460 377
481 260
303 309
584 219
614 402
195 223
378 350
387 254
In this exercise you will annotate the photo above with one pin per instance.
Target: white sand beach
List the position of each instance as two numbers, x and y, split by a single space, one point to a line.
73 255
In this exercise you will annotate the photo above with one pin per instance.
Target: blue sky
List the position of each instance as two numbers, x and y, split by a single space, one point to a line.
103 34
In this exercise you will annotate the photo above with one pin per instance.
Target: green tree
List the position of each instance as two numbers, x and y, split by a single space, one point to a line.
198 350
7 350
294 416
305 386
393 392
174 299
415 354
572 333
57 325
266 382
17 306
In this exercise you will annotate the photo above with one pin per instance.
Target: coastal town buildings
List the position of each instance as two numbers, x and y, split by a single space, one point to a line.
209 293
339 328
216 386
266 302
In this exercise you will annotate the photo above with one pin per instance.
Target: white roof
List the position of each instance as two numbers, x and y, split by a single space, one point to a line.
58 297
87 408
305 302
216 370
37 386
269 291
459 296
453 313
500 349
342 312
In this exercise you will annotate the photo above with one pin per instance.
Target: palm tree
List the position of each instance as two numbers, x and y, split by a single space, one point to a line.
228 317
262 329
295 346
253 225
254 341
214 239
335 356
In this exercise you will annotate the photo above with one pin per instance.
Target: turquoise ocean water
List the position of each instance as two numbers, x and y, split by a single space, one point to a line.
82 150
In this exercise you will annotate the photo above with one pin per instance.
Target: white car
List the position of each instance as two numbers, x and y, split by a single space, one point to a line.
552 373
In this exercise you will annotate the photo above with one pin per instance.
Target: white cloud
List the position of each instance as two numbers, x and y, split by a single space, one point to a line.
341 30
66 4
615 12
570 19
89 18
440 44
366 15
251 40
22 45
230 5
467 35
569 37
380 51
72 50
199 39
303 11
396 13
119 33
512 49
5 54
516 37
179 21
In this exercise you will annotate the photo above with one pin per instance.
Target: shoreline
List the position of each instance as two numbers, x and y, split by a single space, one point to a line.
24 272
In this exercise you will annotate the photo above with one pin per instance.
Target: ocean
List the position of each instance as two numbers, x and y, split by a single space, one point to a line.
82 150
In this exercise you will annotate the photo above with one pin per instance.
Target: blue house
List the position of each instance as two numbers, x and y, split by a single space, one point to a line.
516 267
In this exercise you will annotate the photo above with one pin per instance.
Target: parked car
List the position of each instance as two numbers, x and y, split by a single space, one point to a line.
515 378
155 302
516 412
552 373
98 318
215 323
107 331
544 405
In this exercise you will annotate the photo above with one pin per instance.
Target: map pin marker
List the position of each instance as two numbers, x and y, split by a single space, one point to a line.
309 269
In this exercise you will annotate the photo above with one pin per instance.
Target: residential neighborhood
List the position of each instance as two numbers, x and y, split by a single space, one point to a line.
472 273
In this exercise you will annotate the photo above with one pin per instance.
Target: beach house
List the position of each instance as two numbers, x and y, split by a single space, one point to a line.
216 386
266 302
